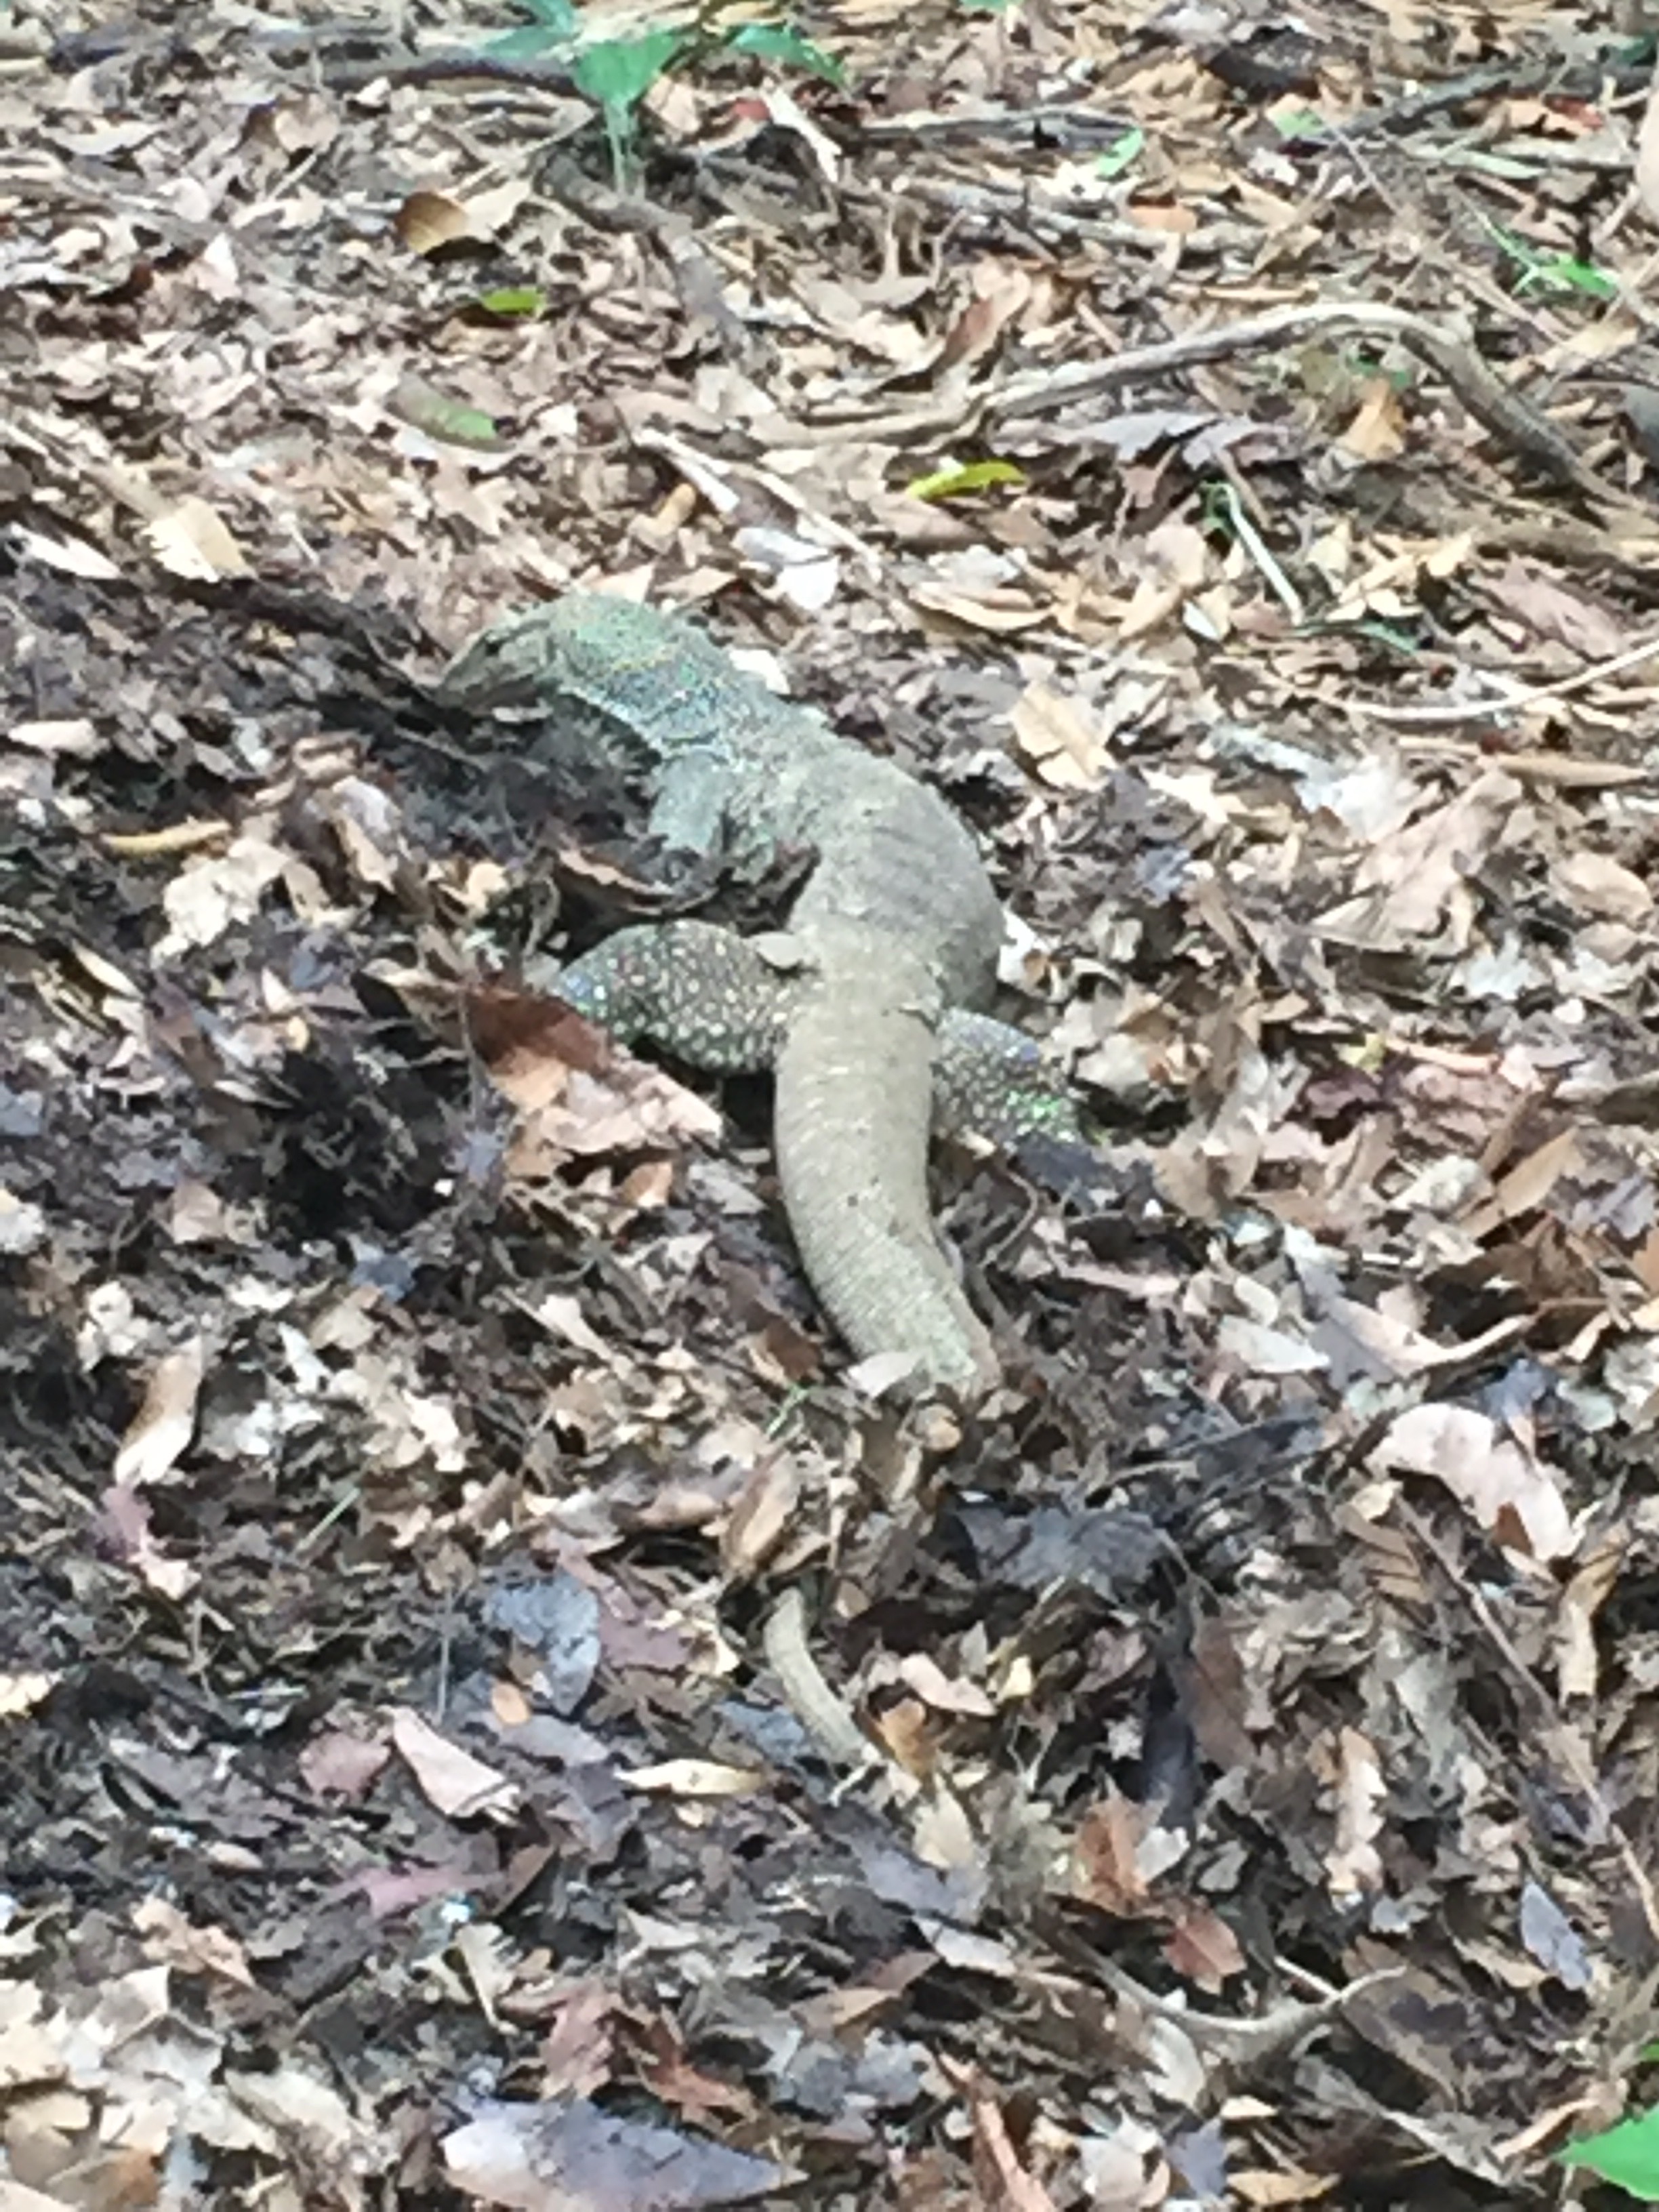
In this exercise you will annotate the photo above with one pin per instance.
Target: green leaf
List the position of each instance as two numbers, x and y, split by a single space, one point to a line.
1300 123
1627 2155
776 42
1566 274
1121 153
526 45
1562 272
556 24
1359 365
986 7
618 73
425 408
514 300
971 476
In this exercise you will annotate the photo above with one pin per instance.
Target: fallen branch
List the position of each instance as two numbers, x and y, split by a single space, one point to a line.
1492 403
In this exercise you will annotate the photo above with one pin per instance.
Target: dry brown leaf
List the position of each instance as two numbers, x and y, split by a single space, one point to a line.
208 895
1378 432
1525 1186
173 1941
1352 1865
453 1780
1059 738
1003 614
163 1426
1203 1948
1177 566
191 540
577 1096
1604 887
339 1764
906 1733
562 1315
1576 1661
762 1514
1255 2185
1006 2185
946 1693
170 837
1410 884
76 740
1514 1495
1001 291
72 556
1260 1350
426 220
127 1528
943 1834
567 2153
1553 610
24 1226
1106 1856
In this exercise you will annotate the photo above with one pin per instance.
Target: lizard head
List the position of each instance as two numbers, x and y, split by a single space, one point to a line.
587 648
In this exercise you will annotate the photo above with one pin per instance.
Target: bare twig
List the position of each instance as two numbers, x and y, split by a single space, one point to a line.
1483 392
1470 710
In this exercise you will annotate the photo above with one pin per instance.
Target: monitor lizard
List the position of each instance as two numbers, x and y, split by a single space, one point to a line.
866 1008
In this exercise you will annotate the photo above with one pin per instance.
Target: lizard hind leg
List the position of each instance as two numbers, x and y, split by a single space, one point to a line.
992 1080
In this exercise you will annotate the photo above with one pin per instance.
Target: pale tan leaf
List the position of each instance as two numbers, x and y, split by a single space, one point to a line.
1060 739
426 220
453 1781
763 1510
164 1424
173 1941
22 1694
1604 887
1525 1186
694 1778
1203 1948
1378 432
1256 2186
1352 1864
1513 1494
1002 614
1577 1659
191 540
71 557
75 739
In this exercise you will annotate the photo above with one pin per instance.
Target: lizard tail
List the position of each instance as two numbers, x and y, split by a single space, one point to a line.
853 1106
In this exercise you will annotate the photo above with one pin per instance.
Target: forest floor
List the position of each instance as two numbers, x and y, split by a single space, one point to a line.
495 1707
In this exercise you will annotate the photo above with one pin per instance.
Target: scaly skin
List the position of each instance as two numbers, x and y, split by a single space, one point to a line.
863 1008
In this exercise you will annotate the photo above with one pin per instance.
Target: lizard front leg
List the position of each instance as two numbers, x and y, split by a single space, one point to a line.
689 987
718 1002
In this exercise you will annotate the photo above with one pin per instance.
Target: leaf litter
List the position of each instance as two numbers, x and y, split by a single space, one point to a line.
496 1709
